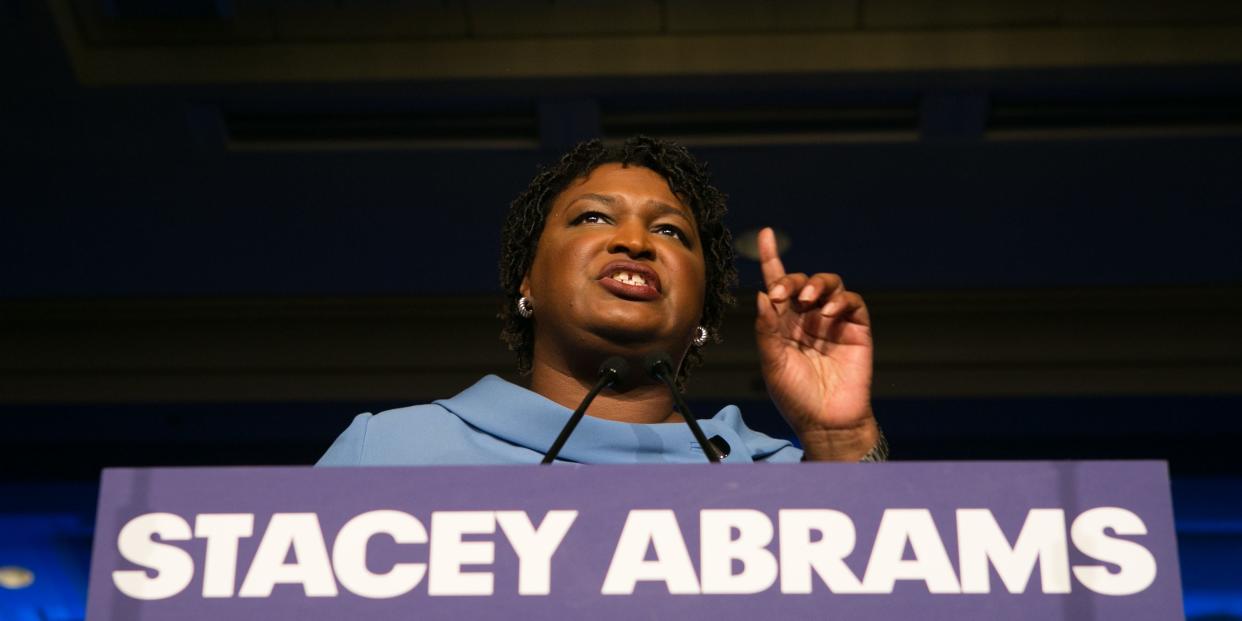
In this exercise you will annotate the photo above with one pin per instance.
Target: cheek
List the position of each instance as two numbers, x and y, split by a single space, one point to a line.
696 285
700 268
557 269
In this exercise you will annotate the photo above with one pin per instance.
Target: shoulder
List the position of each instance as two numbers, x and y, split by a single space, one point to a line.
414 435
475 427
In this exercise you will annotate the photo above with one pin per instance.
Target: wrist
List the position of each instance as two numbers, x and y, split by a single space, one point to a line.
879 452
862 442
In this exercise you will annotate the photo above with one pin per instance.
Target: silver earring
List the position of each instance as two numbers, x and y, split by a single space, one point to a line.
524 308
700 336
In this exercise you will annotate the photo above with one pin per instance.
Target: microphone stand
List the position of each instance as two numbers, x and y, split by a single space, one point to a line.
659 366
612 371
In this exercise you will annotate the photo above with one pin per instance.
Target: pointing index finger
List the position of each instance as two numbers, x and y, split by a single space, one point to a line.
769 260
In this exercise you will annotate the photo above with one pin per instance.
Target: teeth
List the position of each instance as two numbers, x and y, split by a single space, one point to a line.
629 278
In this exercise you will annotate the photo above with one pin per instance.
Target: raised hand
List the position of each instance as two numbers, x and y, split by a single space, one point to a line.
815 351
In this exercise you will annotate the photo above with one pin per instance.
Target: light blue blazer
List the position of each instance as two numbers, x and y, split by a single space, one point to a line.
497 422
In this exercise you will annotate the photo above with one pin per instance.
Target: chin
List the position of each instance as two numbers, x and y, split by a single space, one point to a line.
631 337
626 335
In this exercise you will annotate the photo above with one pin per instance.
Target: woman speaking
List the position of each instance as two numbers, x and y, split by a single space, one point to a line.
613 254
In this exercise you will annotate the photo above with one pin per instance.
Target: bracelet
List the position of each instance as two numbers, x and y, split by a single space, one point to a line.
879 452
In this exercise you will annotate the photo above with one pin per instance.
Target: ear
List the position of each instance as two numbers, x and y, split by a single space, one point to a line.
524 288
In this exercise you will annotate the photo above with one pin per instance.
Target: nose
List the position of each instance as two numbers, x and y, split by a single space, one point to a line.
632 238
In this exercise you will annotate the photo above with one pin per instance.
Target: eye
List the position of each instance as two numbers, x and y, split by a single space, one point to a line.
673 231
590 217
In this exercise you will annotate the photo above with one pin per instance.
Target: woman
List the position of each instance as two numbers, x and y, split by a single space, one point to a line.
622 251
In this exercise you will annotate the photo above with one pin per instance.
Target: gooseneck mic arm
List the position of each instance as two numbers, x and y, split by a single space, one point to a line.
614 371
660 367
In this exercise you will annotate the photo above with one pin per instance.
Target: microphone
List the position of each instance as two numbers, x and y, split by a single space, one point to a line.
613 371
660 367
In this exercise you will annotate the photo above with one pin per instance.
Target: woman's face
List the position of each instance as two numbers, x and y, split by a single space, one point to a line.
619 267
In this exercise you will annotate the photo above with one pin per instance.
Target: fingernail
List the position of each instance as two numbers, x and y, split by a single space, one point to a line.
777 292
829 309
806 295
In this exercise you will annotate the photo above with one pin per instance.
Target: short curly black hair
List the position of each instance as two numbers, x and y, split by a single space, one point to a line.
688 179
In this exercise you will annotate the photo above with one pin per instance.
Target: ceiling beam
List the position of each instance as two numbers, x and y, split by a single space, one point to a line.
644 55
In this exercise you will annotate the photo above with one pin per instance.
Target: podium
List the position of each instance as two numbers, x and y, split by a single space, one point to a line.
916 540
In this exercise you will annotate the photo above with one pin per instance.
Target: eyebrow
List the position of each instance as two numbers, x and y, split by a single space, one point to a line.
661 207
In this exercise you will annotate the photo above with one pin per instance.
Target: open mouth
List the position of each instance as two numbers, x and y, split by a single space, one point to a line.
630 281
629 278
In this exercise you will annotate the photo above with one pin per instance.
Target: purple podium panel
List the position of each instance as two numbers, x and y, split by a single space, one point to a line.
928 541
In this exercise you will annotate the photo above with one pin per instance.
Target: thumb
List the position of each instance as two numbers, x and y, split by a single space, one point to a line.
767 321
768 335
